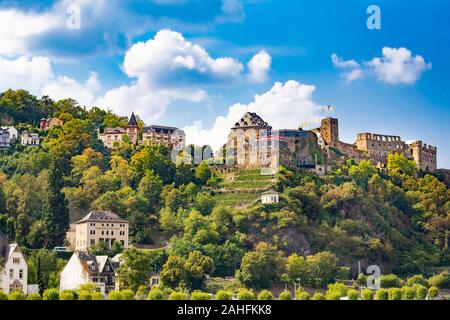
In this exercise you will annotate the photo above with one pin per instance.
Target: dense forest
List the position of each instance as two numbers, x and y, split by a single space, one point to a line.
398 218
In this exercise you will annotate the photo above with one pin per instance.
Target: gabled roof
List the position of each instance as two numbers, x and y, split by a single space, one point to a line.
251 119
93 263
269 192
8 250
101 216
115 130
132 121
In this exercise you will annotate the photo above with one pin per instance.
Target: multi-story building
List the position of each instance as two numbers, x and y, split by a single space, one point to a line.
162 135
84 268
5 138
50 123
254 144
29 139
100 226
13 133
112 136
14 276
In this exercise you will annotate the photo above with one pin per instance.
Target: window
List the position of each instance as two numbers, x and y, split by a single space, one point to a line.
92 242
20 274
16 260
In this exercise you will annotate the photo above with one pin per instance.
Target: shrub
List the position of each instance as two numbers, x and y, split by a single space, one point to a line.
433 292
84 295
3 296
395 294
198 295
420 292
224 295
318 296
408 293
352 294
367 294
127 295
245 294
141 293
417 279
285 295
389 281
332 295
265 295
382 294
16 295
175 295
97 296
302 295
441 280
339 288
34 296
114 295
156 294
66 295
51 294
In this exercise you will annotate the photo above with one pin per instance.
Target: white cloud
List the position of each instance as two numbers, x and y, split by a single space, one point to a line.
26 73
283 106
149 103
169 57
64 87
396 66
353 69
18 27
259 66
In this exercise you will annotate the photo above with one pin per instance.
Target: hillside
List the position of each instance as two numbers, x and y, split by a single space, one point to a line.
398 218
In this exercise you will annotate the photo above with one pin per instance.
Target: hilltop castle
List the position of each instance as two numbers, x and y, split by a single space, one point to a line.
252 144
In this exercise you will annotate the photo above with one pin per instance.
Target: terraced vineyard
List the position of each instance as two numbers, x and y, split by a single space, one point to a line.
241 188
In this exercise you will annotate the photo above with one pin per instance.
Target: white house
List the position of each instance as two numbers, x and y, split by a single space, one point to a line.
13 133
269 197
15 269
83 268
30 139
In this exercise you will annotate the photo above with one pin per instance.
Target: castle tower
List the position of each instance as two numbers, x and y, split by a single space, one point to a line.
424 155
329 130
132 129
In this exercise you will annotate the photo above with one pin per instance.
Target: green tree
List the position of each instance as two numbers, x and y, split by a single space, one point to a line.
203 173
55 213
261 268
297 269
151 187
323 268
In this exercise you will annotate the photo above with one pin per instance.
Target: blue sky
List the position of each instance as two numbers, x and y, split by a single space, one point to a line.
397 91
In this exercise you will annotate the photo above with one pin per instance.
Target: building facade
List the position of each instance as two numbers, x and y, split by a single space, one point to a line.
373 147
171 137
5 138
270 197
50 123
84 268
113 136
100 226
29 139
14 276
